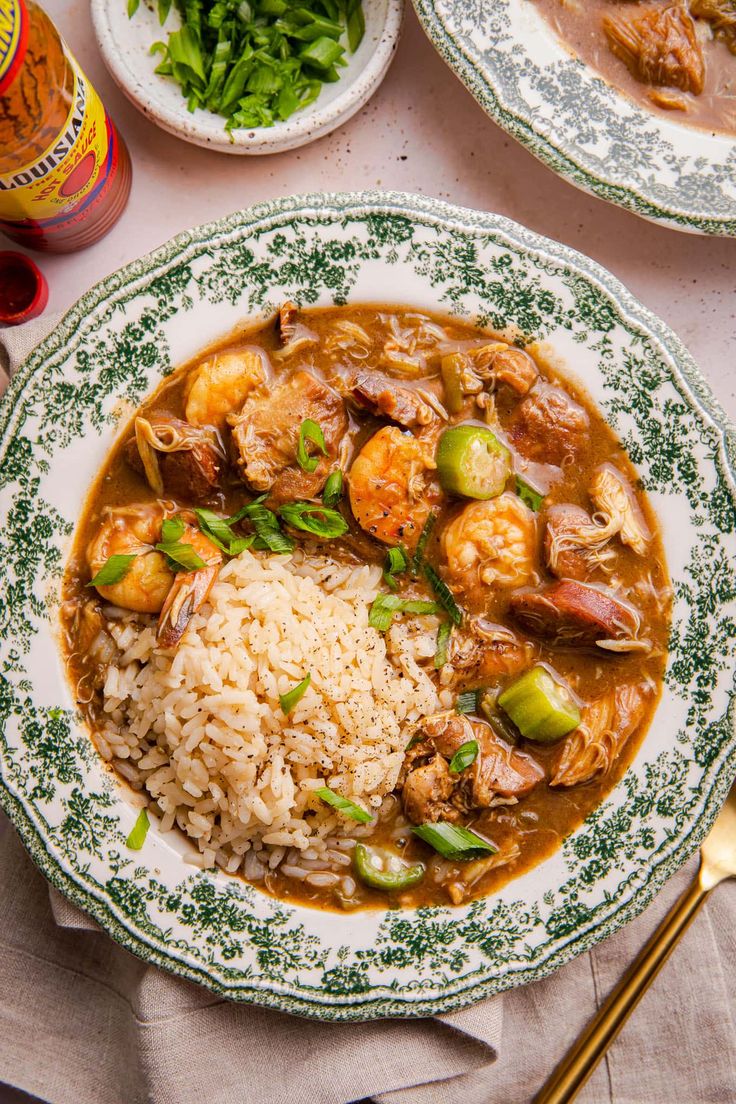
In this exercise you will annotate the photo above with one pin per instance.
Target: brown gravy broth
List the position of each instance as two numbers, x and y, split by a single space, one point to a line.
579 23
535 826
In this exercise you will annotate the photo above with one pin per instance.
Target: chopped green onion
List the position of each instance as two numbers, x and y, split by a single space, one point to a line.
396 561
312 518
382 869
309 431
291 699
541 707
467 702
219 531
533 499
386 605
266 525
466 754
172 530
343 805
356 27
332 493
454 842
424 536
112 571
322 53
444 633
256 62
443 593
181 557
138 834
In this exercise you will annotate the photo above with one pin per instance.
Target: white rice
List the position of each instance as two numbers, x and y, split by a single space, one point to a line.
201 728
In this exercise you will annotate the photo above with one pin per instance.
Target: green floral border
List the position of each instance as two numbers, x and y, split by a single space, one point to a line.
476 39
226 935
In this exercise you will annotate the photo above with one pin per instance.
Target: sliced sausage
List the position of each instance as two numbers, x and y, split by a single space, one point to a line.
381 396
572 613
549 425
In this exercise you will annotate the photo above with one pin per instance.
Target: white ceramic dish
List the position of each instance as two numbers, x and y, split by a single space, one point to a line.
125 46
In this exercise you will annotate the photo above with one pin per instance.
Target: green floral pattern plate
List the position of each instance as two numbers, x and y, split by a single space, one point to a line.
56 424
522 75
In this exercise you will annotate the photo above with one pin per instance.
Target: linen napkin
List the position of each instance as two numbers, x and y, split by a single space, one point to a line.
84 1022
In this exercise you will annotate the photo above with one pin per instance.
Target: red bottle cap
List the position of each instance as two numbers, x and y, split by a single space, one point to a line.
24 292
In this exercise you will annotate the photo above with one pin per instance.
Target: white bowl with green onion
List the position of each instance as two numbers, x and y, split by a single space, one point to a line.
248 76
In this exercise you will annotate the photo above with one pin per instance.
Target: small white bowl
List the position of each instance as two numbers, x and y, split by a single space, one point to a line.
125 46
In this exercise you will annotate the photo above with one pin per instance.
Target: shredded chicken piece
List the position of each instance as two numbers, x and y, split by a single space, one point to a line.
721 14
549 425
471 873
658 46
384 397
615 501
430 791
593 747
574 546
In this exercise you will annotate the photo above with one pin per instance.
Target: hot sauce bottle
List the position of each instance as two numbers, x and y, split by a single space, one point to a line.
64 170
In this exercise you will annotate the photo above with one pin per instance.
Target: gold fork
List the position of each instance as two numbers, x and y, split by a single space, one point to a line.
717 862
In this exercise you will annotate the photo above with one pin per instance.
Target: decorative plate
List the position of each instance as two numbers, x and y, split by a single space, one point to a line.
125 45
523 76
56 425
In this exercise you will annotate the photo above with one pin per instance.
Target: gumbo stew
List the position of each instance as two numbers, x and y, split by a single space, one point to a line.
519 578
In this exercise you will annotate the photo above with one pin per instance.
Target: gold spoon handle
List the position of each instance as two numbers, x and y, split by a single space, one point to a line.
577 1066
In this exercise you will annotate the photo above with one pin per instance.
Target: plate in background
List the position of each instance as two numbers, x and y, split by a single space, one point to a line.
594 136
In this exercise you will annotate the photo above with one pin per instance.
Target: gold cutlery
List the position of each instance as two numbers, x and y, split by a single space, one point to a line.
717 862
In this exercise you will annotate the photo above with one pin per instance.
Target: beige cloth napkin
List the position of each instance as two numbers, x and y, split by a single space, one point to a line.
84 1022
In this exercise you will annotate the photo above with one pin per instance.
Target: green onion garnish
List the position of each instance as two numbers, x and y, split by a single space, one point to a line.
219 531
396 562
349 808
138 834
533 499
181 557
312 518
332 493
466 754
172 530
268 531
424 536
444 633
467 702
309 431
444 593
291 699
454 842
112 571
386 605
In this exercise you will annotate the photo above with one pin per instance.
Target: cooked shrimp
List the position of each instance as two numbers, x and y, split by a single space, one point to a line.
392 486
221 385
490 544
150 585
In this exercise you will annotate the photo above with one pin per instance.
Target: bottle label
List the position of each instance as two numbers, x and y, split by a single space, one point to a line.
13 40
69 175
